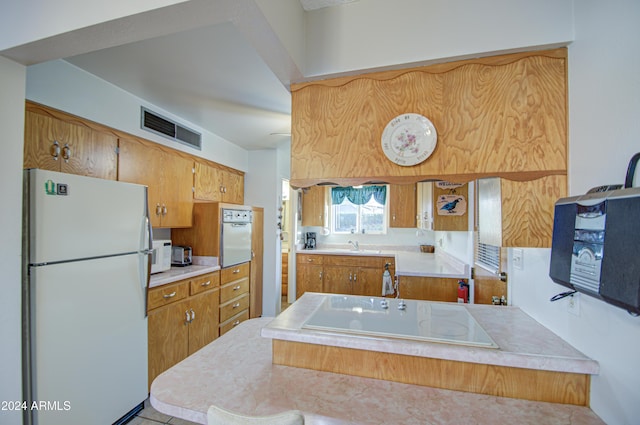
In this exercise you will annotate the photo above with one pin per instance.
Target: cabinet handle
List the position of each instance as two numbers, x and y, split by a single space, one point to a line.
236 305
236 323
350 277
171 295
355 276
236 271
66 152
207 283
320 275
54 150
193 315
188 319
158 209
309 260
164 209
235 288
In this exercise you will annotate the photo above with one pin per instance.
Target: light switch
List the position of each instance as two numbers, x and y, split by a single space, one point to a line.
518 258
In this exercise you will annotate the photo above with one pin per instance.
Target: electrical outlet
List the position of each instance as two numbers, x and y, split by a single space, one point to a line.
518 259
573 304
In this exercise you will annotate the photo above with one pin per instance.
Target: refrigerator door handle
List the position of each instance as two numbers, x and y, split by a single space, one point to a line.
145 256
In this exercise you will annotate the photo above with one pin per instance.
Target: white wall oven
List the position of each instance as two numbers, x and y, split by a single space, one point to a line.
236 236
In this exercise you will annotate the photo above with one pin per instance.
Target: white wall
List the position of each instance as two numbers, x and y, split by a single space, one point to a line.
12 82
382 33
263 185
604 103
64 86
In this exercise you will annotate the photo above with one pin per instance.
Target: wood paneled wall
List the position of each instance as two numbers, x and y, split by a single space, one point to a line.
500 116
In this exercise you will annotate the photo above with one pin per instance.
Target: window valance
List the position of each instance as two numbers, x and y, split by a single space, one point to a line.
359 196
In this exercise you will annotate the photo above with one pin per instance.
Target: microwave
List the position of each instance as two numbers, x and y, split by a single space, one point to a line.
160 256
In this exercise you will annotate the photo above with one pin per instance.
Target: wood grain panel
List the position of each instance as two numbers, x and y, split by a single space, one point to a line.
428 288
528 384
206 317
503 116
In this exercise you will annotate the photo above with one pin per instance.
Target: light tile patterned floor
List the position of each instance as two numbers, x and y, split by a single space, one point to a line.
150 416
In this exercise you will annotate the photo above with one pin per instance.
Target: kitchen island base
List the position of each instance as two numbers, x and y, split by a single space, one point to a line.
528 384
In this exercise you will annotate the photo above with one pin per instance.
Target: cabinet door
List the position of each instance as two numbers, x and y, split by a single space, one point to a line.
442 220
57 145
368 281
256 270
176 191
402 205
207 183
168 337
313 205
142 164
338 279
233 188
428 288
309 278
205 311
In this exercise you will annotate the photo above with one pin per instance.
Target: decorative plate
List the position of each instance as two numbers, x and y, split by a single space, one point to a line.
409 139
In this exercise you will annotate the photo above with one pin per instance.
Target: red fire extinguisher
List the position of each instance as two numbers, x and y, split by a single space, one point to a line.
463 292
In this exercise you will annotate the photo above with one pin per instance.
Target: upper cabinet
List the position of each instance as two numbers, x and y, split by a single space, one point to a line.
443 206
214 183
499 116
314 206
169 178
402 205
58 142
518 214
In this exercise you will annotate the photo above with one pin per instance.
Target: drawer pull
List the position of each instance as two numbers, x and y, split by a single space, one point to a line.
236 271
235 288
207 283
309 260
236 305
236 323
171 295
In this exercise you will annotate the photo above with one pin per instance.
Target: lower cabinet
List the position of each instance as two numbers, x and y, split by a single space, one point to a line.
234 296
428 288
340 274
182 318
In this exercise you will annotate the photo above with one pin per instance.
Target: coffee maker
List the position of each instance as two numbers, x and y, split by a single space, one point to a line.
310 240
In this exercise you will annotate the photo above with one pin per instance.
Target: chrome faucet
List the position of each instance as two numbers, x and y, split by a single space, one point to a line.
356 247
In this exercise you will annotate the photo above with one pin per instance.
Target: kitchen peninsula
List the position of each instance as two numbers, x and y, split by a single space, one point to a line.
241 363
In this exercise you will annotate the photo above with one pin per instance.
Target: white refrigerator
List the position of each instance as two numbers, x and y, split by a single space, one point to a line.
86 262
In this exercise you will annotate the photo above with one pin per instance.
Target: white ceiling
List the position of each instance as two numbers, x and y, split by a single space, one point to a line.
209 76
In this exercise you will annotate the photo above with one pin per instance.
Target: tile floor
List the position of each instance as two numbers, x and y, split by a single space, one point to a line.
150 416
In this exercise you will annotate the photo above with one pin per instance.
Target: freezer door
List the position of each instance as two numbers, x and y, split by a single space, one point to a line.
72 217
88 340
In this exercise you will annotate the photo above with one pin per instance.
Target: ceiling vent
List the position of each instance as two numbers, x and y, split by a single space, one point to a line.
165 127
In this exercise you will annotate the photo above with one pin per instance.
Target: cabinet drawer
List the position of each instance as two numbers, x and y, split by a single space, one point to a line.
234 307
234 273
309 259
167 294
233 322
233 289
354 261
205 282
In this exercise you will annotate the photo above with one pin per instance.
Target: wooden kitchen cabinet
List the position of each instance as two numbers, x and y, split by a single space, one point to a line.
182 318
431 218
428 288
354 274
168 176
309 273
518 214
257 262
216 184
314 205
402 205
59 142
234 296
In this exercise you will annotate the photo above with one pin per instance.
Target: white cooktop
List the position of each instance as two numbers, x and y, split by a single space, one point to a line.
419 320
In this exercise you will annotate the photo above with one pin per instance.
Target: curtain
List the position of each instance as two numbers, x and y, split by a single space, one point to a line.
359 196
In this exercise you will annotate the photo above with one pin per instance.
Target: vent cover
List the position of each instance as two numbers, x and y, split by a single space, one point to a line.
488 256
158 124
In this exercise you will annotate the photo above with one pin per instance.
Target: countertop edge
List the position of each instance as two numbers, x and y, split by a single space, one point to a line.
179 273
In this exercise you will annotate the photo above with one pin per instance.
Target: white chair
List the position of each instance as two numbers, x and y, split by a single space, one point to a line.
219 416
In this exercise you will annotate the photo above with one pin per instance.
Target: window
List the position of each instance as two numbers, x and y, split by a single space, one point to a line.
358 210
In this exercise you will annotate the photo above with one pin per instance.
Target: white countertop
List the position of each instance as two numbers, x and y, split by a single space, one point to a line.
408 263
235 372
522 342
178 273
